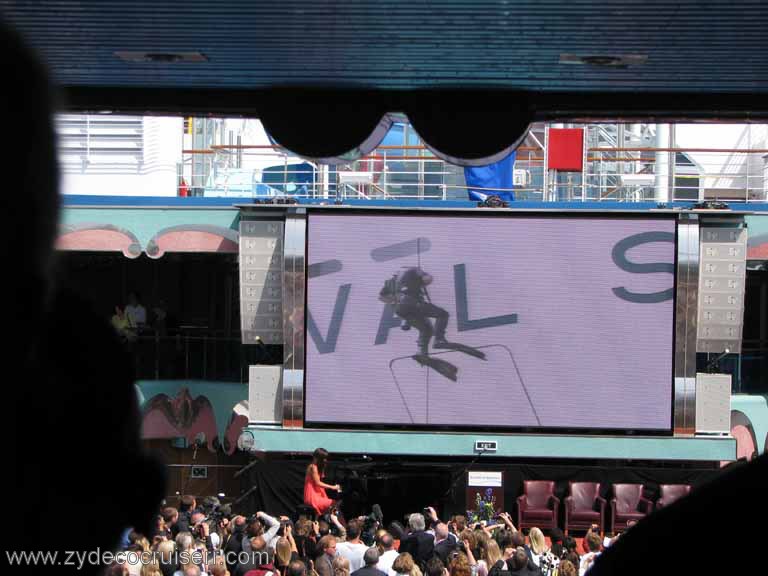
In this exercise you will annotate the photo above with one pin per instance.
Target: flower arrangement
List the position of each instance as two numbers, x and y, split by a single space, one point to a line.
485 507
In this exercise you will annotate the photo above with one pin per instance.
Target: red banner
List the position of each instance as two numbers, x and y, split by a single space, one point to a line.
565 149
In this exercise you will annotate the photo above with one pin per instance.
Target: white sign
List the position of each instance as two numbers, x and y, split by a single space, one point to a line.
355 177
486 445
485 479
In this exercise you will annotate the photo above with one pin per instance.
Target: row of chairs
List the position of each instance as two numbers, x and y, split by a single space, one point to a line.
538 505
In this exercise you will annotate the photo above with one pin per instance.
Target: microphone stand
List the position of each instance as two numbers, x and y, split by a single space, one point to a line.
244 495
191 465
714 365
462 472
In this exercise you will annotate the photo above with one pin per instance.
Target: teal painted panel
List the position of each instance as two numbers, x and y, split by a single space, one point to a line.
146 222
518 446
757 224
756 409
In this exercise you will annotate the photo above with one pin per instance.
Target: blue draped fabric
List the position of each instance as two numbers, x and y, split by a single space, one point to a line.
498 175
290 179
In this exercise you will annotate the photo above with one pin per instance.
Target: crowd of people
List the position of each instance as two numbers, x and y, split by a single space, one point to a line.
209 540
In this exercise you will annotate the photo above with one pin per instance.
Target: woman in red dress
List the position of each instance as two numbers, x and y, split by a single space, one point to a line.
314 487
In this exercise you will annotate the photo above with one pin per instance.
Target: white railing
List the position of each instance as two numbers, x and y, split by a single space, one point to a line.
400 172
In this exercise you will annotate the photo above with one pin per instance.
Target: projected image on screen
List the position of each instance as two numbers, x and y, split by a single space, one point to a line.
503 322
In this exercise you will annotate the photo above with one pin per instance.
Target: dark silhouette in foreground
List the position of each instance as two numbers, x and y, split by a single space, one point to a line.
78 474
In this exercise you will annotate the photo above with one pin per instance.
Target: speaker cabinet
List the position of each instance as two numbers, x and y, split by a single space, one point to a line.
265 404
713 403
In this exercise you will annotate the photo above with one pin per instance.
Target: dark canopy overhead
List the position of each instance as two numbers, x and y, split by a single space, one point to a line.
485 67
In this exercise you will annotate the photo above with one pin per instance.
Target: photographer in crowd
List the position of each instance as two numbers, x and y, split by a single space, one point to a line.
418 543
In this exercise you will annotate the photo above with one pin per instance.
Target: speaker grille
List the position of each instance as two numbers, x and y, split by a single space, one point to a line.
721 288
261 282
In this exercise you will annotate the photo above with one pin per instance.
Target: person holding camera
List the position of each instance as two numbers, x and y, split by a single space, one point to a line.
285 550
445 542
201 530
419 543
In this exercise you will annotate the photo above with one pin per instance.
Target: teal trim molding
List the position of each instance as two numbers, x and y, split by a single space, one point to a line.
144 224
271 439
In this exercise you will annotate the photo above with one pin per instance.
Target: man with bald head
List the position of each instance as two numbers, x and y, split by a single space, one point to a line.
259 559
370 559
445 542
234 544
387 553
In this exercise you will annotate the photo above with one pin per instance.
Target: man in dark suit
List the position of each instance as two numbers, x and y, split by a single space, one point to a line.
419 543
520 565
370 558
445 542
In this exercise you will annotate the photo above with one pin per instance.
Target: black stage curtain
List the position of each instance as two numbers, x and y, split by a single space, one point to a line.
401 486
276 486
273 486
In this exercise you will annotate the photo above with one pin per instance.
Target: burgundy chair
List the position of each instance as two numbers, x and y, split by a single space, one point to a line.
538 505
584 506
670 493
628 503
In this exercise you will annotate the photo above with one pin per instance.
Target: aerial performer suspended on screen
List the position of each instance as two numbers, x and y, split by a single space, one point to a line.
314 487
407 293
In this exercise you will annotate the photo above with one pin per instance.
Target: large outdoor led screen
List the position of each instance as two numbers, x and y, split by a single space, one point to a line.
472 321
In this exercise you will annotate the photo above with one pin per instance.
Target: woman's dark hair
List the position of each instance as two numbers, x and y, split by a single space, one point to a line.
573 557
504 538
569 543
435 567
557 537
397 530
320 457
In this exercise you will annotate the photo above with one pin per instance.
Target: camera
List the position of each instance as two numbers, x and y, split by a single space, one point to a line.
198 531
215 513
370 525
283 524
